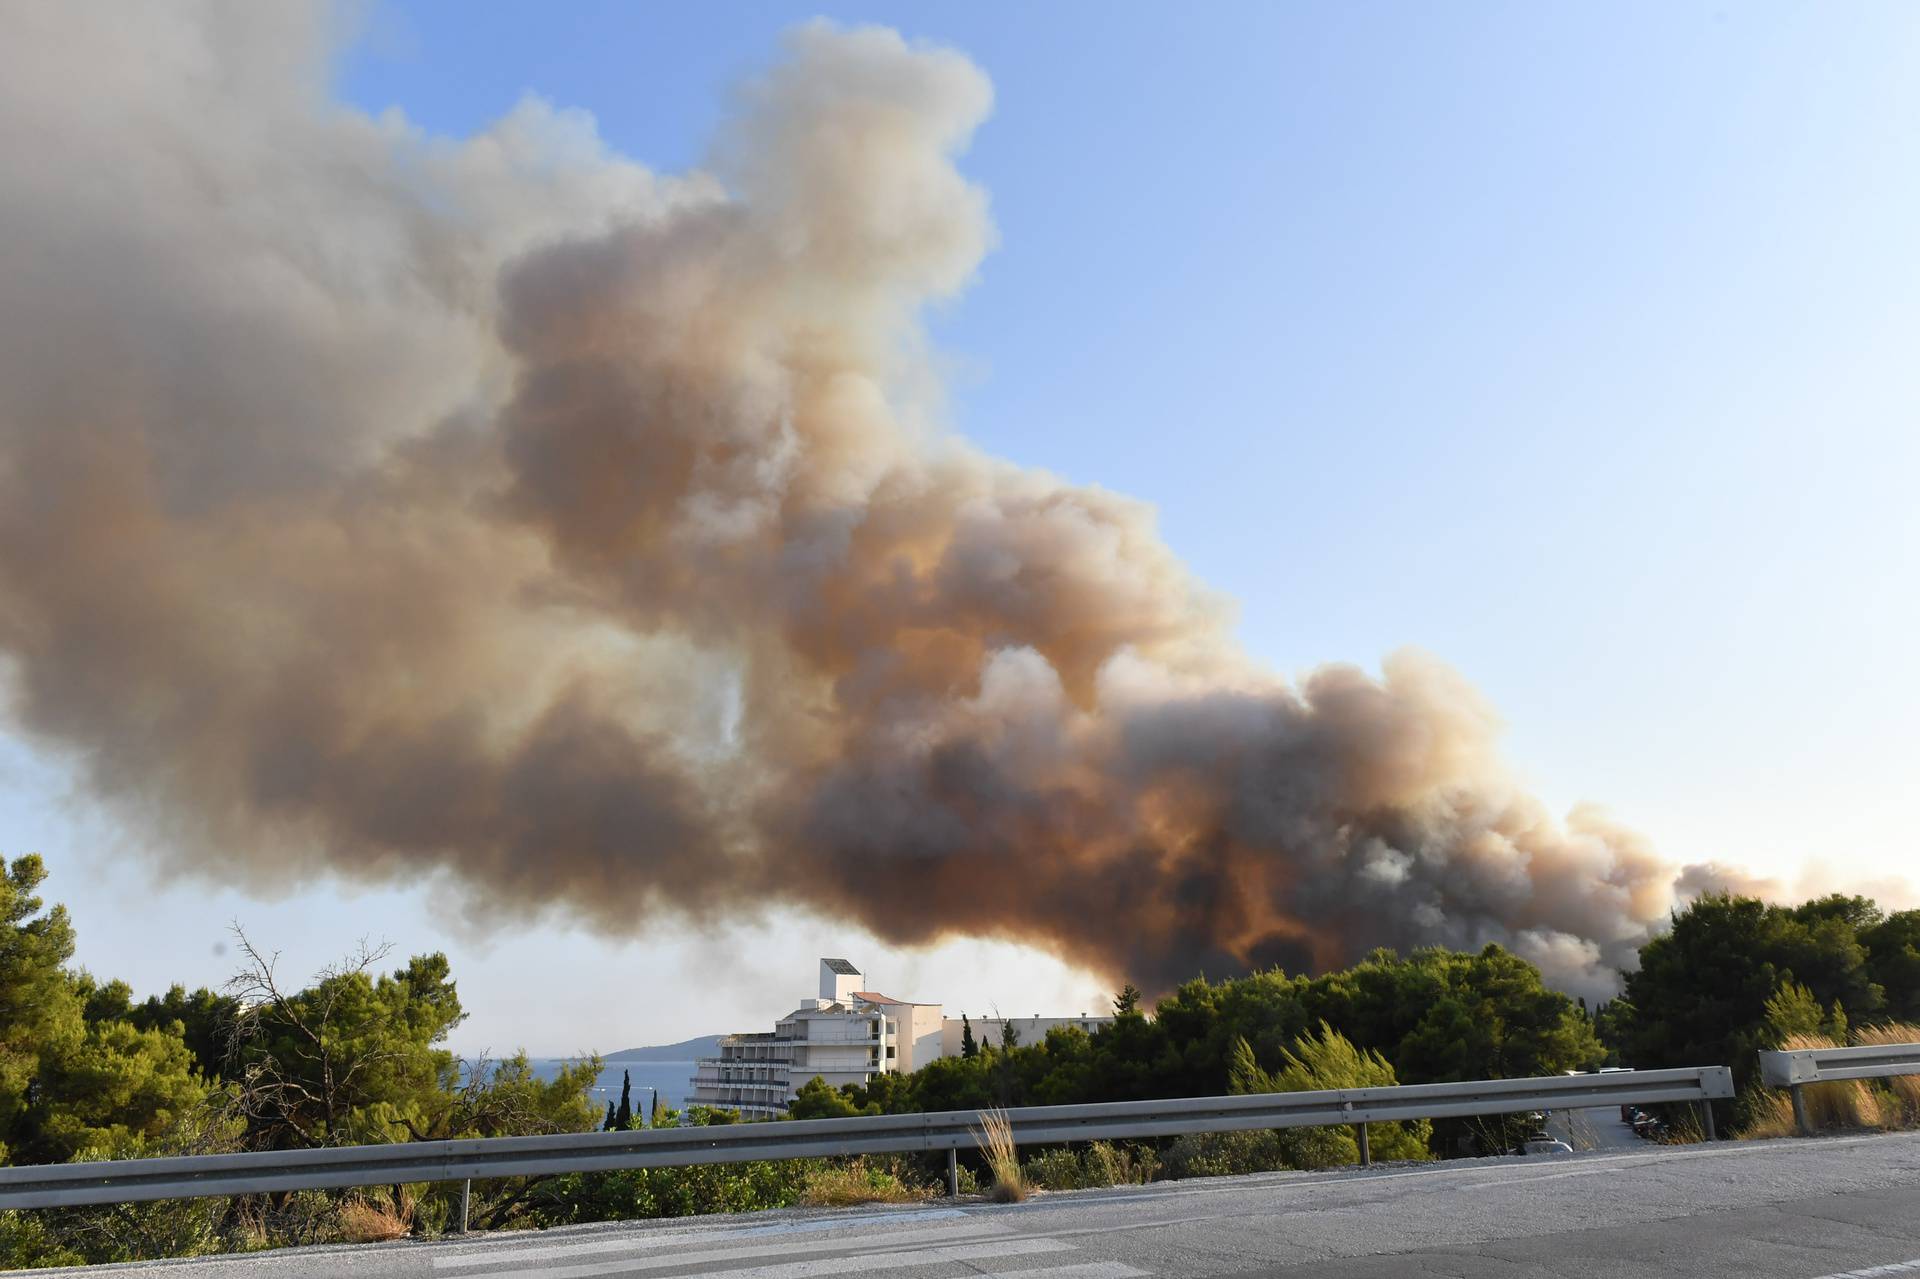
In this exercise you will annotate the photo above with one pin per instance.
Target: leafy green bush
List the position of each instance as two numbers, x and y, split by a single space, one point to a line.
25 1242
1055 1169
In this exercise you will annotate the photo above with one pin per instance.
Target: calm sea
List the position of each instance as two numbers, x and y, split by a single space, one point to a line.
672 1078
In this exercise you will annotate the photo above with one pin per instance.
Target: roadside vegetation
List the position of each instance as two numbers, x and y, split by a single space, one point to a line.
1735 975
355 1055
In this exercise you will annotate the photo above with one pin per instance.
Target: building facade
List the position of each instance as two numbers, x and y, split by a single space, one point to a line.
992 1030
845 1035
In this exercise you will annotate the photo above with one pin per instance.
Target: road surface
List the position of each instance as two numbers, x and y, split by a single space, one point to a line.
1751 1210
1594 1128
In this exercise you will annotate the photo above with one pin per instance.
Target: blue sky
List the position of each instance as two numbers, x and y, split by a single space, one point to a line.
1570 343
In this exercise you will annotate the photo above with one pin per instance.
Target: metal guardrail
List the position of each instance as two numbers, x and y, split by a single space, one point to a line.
1795 1068
135 1180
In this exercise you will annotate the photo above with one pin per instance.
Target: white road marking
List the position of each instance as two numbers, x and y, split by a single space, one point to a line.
1872 1272
480 1264
1360 1177
1085 1270
1012 1246
503 1248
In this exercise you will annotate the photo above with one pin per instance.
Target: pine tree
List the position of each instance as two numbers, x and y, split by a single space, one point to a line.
623 1117
1127 1001
967 1046
1244 1074
1793 1011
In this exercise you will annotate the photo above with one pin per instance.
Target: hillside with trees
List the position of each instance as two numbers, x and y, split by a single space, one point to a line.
356 1055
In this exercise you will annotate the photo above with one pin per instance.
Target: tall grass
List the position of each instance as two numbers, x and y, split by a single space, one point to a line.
995 1136
1851 1104
1904 1089
1848 1103
363 1222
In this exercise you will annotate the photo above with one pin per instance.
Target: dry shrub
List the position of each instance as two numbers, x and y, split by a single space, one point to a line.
850 1184
995 1135
363 1222
1905 1089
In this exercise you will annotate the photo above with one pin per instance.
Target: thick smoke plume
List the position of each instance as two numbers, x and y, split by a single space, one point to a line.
378 505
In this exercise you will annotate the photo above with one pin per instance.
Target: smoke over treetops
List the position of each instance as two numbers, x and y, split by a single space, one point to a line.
378 505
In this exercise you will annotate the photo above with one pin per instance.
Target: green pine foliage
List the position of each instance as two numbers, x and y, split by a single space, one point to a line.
1893 963
816 1099
1326 1059
1735 975
1792 1010
69 1081
353 1058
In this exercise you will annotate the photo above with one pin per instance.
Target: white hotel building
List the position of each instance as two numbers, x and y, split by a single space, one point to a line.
847 1035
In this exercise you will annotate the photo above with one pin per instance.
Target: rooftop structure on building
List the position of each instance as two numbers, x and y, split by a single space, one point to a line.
848 1034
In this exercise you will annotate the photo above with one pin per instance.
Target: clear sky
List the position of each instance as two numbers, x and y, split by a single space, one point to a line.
1571 343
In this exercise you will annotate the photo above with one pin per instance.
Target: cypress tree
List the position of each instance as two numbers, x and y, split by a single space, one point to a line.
967 1047
623 1117
608 1125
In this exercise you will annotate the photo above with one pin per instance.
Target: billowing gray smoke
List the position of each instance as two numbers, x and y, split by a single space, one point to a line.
383 506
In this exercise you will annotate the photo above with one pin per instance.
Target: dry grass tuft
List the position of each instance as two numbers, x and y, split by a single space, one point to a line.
851 1184
1904 1088
363 1222
995 1135
1853 1104
1838 1106
1771 1115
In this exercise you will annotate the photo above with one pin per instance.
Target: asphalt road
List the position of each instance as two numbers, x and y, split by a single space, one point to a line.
1792 1209
1594 1128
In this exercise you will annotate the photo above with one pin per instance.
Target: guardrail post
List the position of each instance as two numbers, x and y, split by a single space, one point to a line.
1366 1150
1706 1120
466 1202
953 1172
1800 1111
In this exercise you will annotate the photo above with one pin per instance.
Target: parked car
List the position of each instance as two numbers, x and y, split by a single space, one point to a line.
1543 1144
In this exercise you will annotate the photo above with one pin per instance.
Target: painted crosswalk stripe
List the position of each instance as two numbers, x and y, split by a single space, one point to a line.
886 1260
1084 1270
507 1252
634 1258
